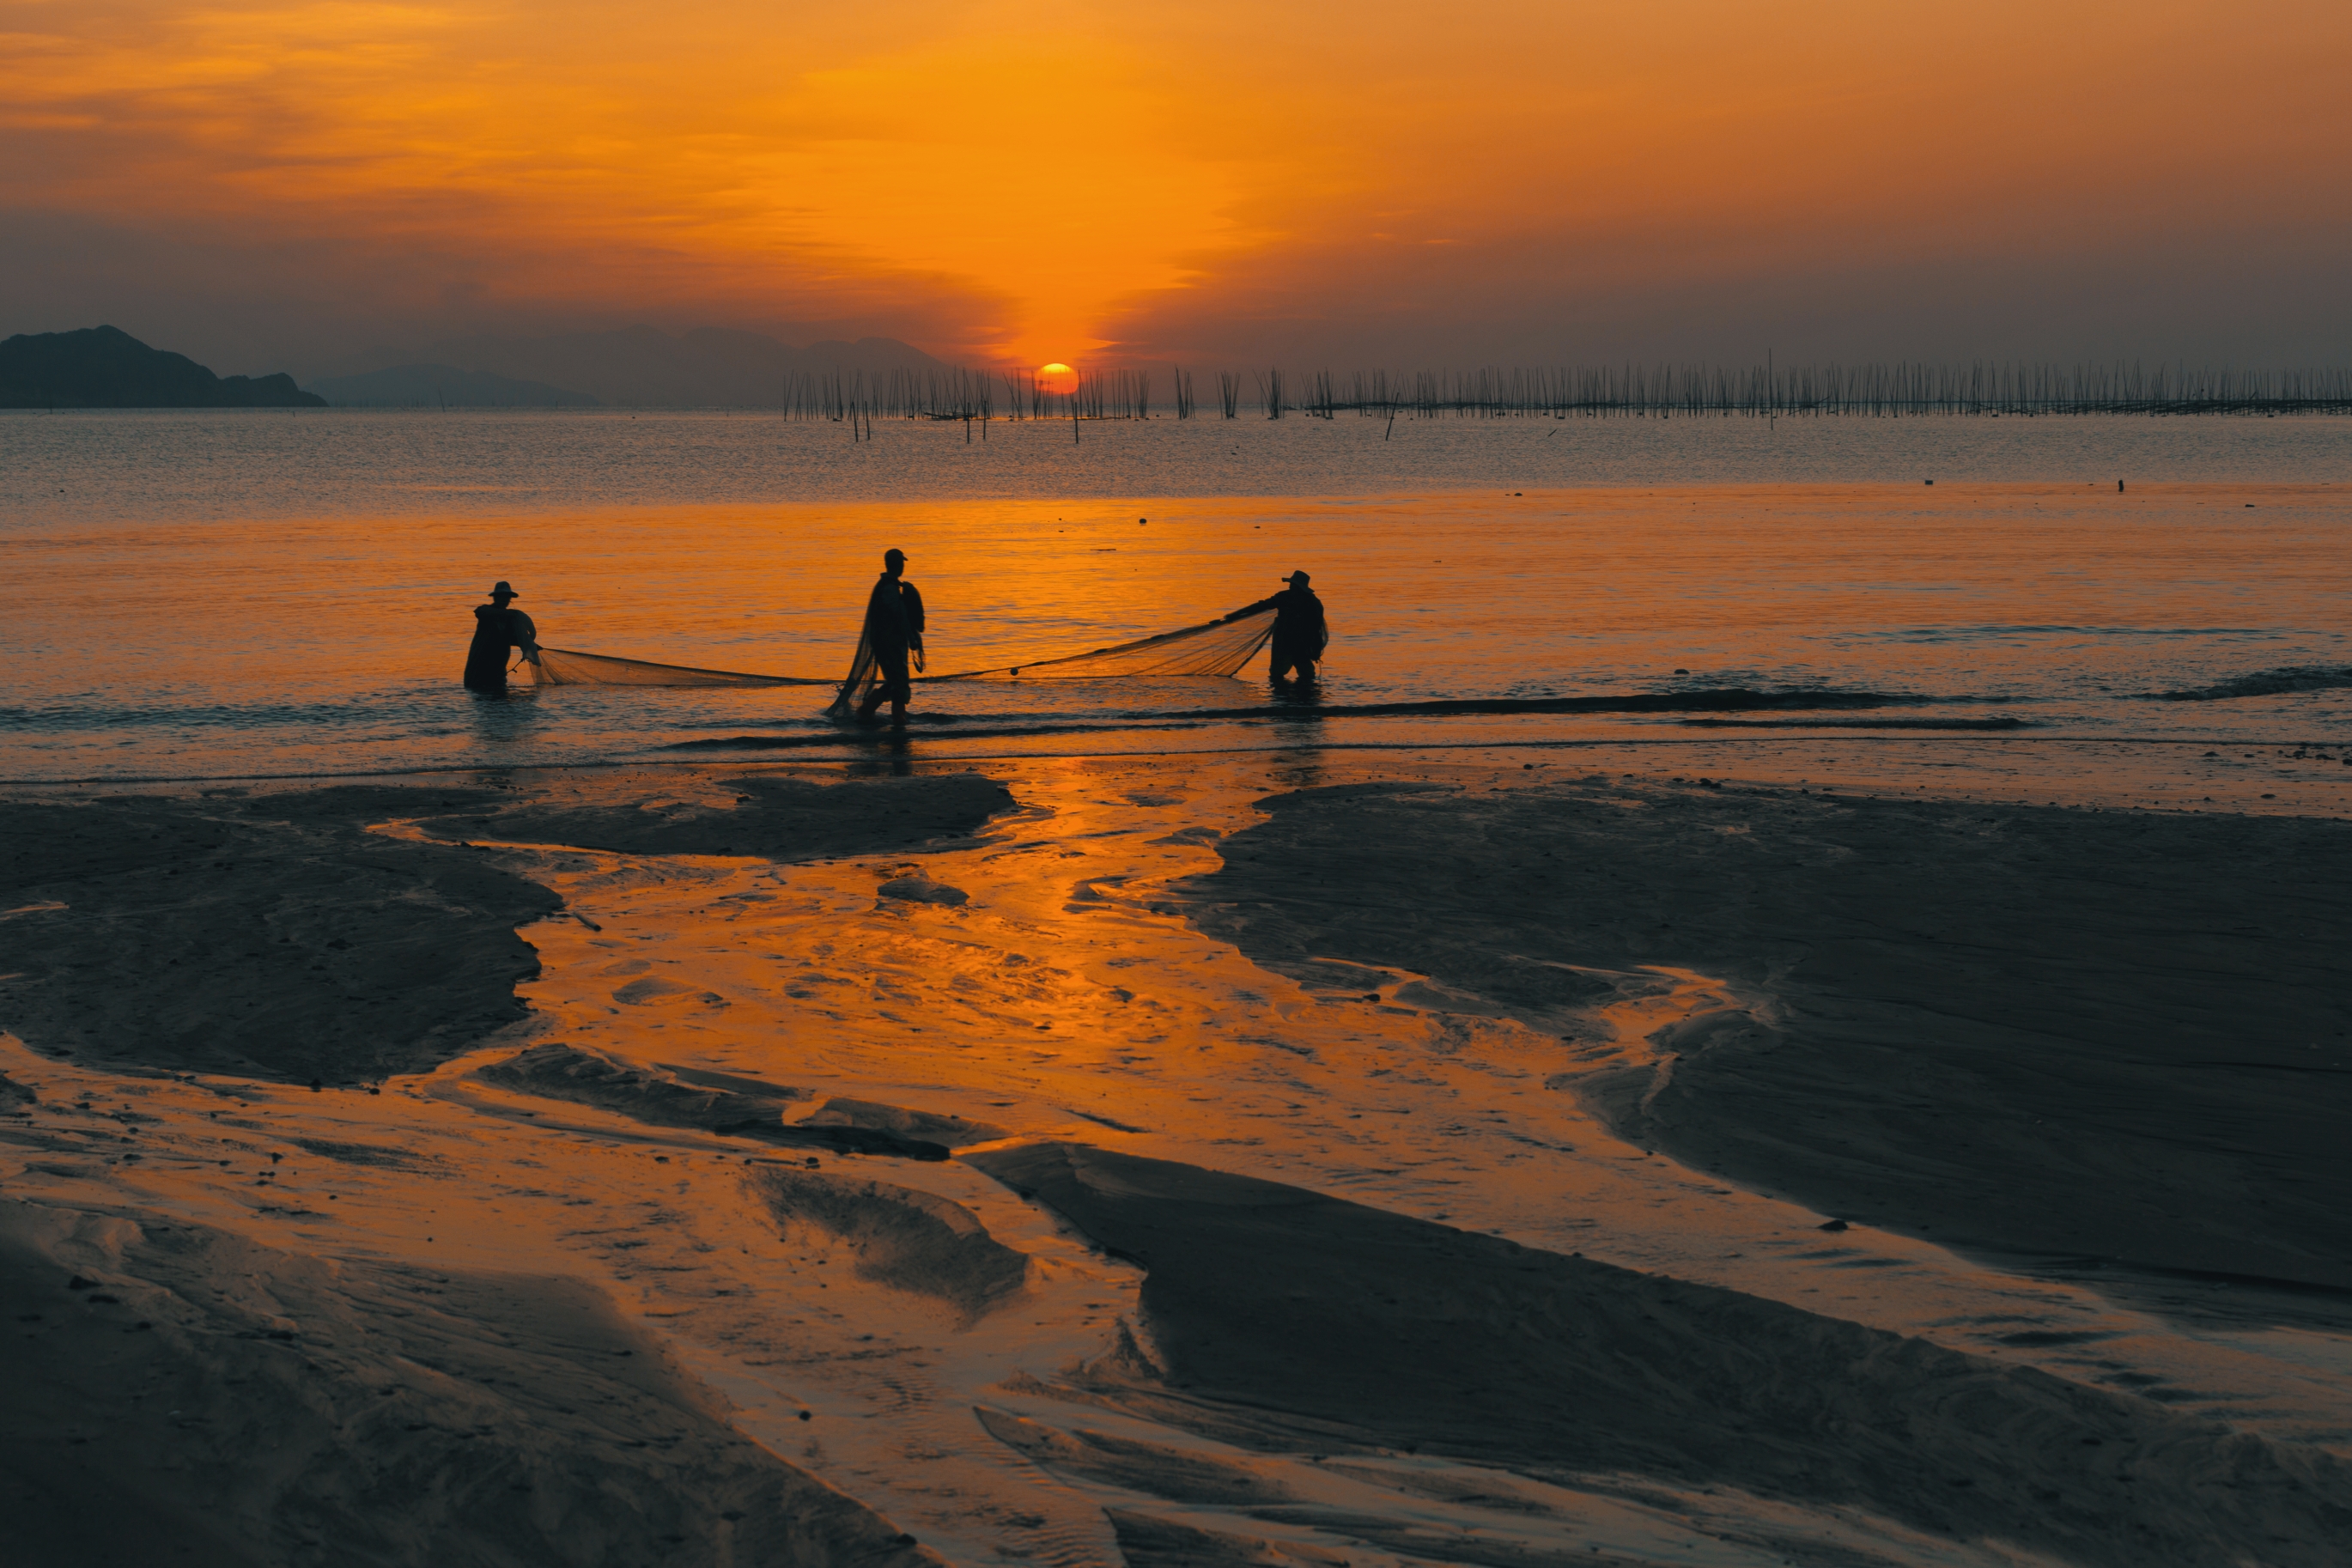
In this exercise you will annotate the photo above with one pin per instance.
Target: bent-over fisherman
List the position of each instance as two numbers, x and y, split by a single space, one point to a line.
1300 634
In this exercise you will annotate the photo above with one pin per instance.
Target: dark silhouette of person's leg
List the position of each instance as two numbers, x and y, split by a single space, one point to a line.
894 688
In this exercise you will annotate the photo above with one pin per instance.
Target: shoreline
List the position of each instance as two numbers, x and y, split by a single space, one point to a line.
2106 795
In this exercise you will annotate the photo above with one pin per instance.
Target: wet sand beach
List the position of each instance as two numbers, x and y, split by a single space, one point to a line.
2064 1032
1729 1154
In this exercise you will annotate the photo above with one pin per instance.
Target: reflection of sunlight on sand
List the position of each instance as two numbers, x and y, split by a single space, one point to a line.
1069 998
779 1322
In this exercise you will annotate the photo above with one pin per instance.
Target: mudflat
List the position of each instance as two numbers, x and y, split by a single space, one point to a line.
1386 1334
183 1392
272 938
273 935
178 1394
2105 1035
1112 1160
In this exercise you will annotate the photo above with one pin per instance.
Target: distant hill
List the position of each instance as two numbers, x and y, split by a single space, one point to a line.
105 367
643 368
443 387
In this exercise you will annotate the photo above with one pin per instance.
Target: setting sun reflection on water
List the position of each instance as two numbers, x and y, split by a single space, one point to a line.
164 638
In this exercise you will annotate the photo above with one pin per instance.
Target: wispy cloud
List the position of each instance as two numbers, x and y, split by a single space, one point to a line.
1039 178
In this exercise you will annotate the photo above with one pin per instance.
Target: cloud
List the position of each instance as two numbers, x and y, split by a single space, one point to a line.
1030 179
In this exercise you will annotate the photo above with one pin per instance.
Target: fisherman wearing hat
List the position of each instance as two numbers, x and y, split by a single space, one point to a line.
1299 633
894 632
498 627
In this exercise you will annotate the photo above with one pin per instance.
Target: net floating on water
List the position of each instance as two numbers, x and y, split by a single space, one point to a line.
1214 648
563 666
1219 647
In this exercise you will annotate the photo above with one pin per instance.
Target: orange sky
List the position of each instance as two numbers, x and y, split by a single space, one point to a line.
1350 183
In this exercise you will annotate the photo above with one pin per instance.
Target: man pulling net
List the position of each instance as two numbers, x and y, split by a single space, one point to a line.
497 627
892 634
1300 633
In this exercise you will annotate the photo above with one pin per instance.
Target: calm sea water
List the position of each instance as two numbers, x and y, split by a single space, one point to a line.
263 592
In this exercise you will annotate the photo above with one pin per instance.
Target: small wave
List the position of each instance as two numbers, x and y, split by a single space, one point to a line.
939 727
360 709
1297 705
2004 629
1293 709
2264 683
1855 723
1719 700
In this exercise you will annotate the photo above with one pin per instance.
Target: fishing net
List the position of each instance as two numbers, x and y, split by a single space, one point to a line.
1214 648
865 677
561 666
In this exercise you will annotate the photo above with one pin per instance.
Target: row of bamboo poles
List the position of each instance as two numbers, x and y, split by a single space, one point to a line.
1983 387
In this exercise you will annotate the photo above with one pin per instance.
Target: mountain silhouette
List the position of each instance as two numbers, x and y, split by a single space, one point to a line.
106 367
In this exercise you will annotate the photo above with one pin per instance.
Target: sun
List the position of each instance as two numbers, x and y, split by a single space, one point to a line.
1056 378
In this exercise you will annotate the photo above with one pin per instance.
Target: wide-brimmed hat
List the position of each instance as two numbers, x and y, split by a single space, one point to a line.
503 587
1298 577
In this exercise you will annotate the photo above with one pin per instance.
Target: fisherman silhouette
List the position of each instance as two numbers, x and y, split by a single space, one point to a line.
498 627
1300 635
894 631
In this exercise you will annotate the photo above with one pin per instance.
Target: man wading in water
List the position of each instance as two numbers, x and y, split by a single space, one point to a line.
894 631
498 627
1299 634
